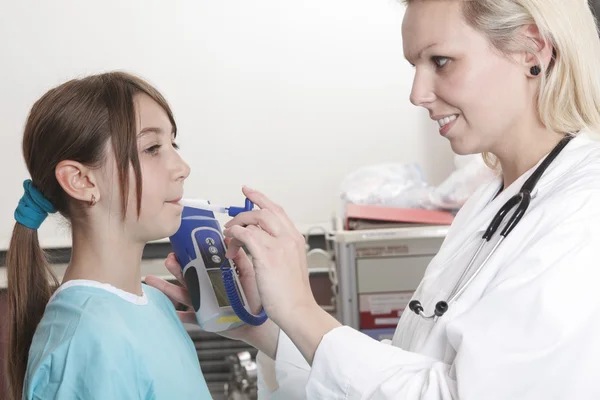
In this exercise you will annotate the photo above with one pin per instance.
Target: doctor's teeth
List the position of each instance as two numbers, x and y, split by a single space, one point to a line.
446 120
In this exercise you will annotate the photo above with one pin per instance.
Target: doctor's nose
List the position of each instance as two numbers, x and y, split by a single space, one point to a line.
421 93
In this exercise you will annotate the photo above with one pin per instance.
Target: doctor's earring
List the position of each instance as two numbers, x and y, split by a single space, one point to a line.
93 201
535 70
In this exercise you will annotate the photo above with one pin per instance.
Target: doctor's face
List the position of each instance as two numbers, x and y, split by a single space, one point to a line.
472 91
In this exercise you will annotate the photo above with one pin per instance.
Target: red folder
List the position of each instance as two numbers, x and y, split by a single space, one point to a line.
368 216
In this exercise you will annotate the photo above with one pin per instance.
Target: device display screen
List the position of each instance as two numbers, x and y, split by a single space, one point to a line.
221 294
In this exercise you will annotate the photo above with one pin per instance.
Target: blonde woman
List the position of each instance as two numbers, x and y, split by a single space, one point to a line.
517 80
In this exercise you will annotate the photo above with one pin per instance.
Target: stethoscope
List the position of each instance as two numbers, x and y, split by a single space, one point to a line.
521 200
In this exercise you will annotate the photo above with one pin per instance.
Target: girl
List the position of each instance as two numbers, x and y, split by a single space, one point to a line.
101 152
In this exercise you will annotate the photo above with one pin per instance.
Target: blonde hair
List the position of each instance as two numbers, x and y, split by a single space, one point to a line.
569 93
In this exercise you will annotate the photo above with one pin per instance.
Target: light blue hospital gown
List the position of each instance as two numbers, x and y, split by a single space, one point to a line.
98 342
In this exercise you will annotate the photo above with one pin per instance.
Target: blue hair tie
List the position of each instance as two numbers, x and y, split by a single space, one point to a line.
33 207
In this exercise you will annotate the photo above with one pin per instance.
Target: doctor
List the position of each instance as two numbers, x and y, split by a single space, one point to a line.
510 79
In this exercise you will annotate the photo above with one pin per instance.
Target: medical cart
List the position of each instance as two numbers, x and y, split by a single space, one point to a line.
377 272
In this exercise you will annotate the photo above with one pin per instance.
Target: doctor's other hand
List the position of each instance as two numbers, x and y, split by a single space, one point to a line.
278 254
263 337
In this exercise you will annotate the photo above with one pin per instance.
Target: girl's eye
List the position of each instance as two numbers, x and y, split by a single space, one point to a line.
175 145
439 61
153 150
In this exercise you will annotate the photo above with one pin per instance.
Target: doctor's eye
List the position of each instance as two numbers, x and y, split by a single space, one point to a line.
175 145
439 61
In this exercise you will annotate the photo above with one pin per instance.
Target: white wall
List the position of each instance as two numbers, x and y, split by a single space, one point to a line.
269 93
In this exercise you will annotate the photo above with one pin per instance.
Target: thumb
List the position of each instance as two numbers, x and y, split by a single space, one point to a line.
233 247
239 257
247 279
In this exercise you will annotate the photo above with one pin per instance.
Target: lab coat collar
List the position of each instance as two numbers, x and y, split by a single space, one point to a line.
568 158
475 216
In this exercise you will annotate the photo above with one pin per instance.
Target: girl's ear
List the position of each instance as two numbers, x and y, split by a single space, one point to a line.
78 181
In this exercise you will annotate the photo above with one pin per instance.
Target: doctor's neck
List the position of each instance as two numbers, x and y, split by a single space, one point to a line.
522 149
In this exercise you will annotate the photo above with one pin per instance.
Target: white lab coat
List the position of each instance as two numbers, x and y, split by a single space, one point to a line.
528 327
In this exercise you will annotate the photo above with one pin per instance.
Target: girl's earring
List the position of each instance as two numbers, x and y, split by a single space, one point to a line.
535 70
93 201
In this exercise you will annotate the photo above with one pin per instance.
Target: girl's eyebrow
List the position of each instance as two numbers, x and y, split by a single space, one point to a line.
152 129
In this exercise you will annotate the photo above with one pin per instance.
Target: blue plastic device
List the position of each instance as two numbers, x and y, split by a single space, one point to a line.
212 280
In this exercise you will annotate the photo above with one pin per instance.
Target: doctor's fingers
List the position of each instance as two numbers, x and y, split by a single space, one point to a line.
174 268
265 219
177 294
264 203
239 256
247 277
257 241
188 317
234 247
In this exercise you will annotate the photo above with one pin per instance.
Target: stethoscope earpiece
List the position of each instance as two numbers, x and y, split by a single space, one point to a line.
440 308
415 306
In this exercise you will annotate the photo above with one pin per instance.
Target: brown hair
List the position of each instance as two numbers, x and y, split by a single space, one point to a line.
74 121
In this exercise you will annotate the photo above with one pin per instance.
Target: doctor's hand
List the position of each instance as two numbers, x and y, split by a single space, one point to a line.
278 254
281 271
263 337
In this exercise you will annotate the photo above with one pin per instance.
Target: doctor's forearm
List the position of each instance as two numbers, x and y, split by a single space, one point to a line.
307 327
264 338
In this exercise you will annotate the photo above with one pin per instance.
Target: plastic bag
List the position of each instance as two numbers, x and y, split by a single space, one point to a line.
452 194
393 185
403 185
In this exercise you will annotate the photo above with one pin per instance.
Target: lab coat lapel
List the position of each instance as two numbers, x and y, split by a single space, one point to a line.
472 222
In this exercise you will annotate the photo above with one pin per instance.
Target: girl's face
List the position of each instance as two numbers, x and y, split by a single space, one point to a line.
163 173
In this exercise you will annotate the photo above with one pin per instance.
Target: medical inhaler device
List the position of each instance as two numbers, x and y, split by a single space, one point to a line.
212 280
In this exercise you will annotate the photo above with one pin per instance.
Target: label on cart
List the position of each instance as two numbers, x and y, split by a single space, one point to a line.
384 303
381 310
386 321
